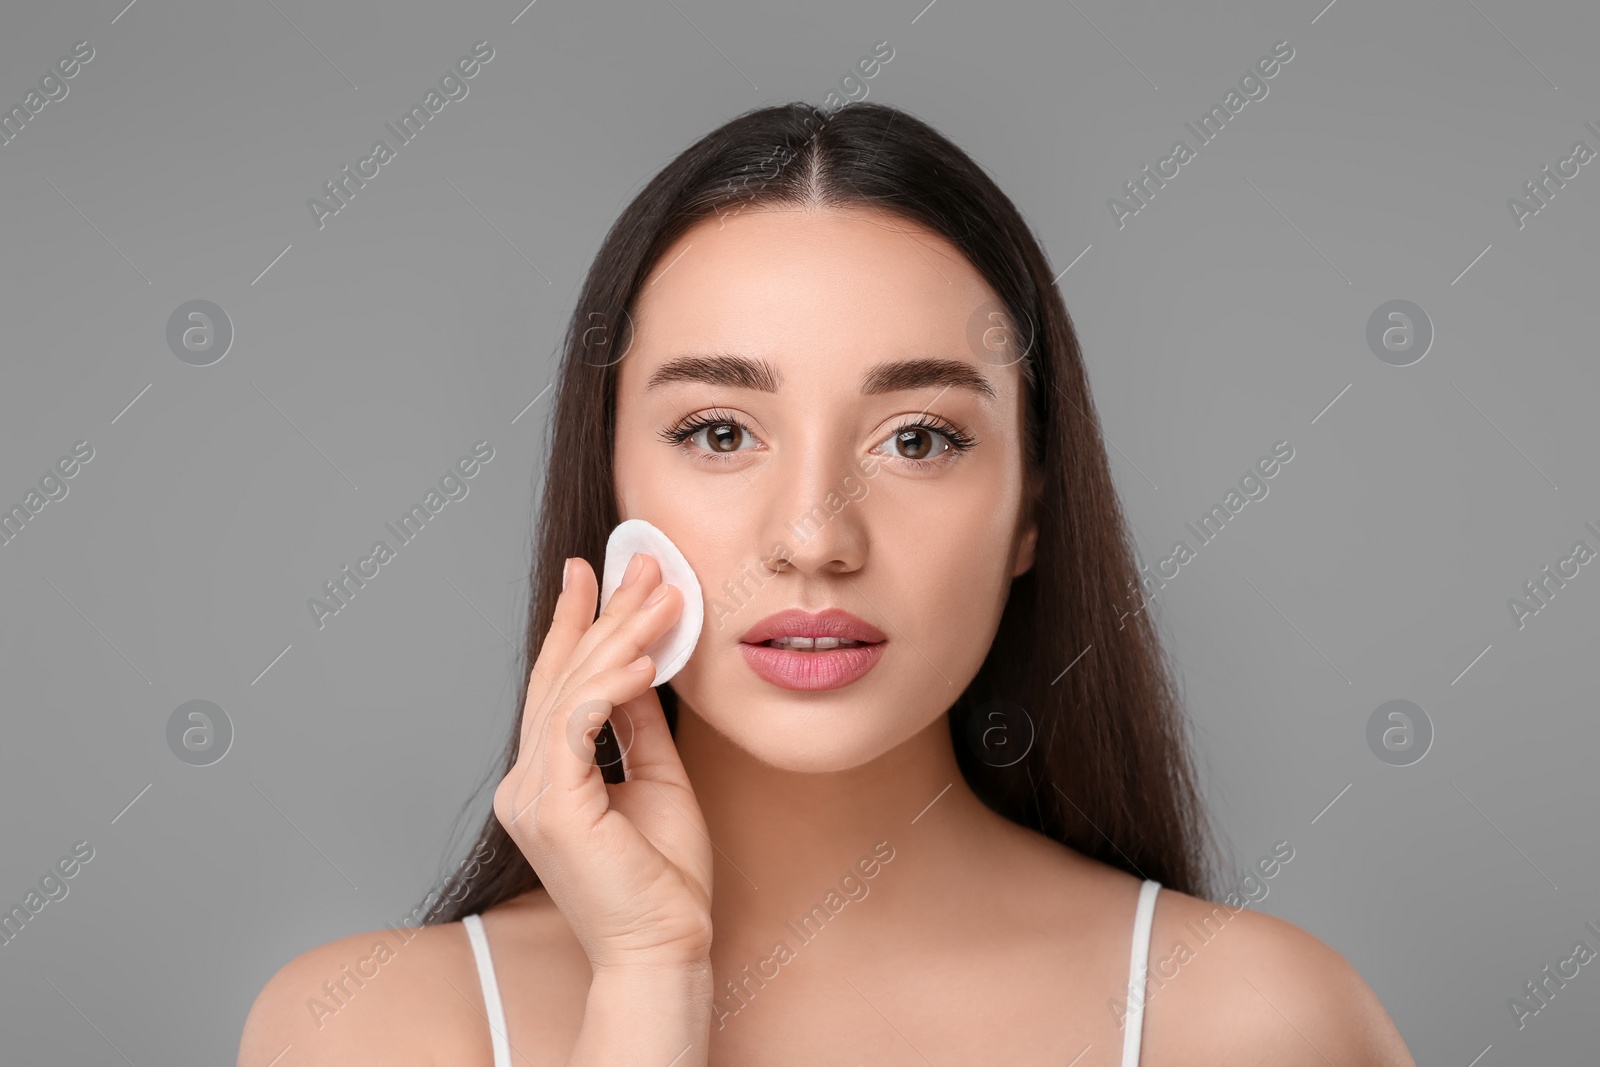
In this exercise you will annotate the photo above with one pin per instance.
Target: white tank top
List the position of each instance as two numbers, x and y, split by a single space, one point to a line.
1138 967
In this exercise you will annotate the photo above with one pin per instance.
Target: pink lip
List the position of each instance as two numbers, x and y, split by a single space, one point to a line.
830 669
794 622
812 670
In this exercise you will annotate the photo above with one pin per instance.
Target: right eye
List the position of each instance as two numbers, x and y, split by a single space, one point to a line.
724 435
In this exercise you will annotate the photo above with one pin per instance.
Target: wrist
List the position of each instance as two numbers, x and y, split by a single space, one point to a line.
681 976
648 1012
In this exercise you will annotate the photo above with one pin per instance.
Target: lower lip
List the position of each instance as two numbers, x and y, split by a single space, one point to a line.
812 670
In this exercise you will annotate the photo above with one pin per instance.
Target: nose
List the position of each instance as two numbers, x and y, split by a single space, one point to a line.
817 515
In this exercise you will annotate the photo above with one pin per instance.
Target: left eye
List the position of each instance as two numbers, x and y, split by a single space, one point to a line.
921 440
722 438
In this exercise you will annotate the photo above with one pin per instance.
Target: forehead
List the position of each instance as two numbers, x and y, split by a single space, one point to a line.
825 285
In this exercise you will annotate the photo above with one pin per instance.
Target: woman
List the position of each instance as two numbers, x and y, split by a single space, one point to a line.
823 353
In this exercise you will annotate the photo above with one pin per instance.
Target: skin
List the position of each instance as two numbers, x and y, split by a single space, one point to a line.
979 940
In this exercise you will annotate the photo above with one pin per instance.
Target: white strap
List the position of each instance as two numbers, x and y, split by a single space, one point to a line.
1138 965
491 990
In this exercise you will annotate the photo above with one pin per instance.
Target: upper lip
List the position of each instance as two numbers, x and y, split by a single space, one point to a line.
795 622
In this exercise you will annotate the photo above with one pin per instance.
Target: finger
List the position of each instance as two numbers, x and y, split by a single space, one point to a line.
652 754
624 602
525 788
621 633
576 788
657 797
574 614
632 635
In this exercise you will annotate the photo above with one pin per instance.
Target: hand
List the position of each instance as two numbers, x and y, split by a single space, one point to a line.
628 864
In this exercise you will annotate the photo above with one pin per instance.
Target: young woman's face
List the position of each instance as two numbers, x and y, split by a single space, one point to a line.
841 408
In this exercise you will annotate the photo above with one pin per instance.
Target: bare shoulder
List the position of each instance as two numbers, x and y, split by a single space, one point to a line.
396 996
1237 986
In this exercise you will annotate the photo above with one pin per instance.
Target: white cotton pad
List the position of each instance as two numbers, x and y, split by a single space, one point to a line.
674 647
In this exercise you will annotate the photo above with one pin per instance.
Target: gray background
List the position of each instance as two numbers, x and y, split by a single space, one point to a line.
1227 315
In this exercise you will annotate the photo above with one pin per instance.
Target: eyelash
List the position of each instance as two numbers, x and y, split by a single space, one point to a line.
960 441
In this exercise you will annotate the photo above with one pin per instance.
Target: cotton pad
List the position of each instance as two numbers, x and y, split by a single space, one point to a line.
671 651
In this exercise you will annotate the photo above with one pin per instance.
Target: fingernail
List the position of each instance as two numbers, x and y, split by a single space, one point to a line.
566 572
656 597
639 664
634 563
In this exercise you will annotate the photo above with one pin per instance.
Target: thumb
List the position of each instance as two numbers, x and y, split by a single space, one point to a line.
649 754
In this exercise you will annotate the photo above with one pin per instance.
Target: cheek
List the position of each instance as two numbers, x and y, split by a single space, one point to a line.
657 482
713 521
948 539
943 580
633 478
722 541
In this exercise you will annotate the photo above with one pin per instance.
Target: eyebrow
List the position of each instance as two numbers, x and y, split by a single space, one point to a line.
746 372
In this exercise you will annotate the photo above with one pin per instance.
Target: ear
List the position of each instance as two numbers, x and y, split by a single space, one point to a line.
1027 534
1025 549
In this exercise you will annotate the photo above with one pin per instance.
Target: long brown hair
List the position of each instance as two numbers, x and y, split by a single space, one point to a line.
1106 767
